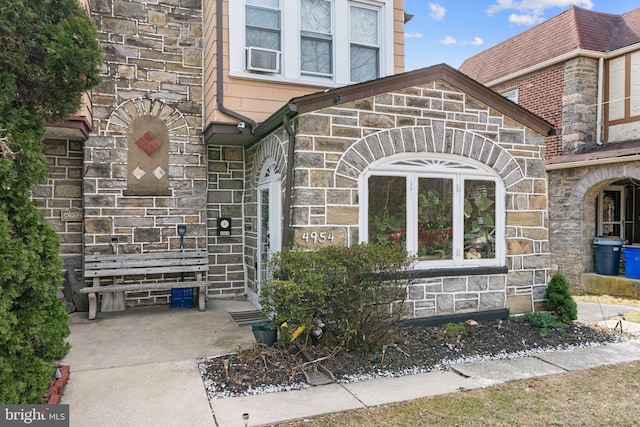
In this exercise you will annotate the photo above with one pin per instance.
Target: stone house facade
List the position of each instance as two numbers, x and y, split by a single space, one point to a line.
430 122
177 134
578 70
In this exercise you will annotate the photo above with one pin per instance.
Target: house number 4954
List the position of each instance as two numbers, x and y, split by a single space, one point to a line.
317 237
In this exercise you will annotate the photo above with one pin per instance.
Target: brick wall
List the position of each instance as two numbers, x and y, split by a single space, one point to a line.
542 93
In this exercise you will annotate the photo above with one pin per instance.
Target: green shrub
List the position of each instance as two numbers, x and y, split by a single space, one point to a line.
454 329
357 291
49 56
545 321
559 299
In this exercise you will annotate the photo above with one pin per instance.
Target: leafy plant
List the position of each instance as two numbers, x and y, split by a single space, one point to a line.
454 329
559 298
357 291
49 55
481 209
545 321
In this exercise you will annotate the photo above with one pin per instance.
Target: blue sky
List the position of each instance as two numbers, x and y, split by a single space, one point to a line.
450 31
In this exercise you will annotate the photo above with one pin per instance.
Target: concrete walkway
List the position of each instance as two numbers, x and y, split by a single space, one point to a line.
138 367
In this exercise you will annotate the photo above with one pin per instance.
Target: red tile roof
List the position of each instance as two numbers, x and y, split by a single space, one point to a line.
575 28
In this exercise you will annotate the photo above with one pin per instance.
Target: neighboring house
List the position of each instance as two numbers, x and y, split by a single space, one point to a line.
580 70
262 123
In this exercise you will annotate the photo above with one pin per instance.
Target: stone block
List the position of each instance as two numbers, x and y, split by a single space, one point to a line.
379 121
525 218
518 304
346 215
146 235
519 246
314 124
444 303
454 284
492 300
98 225
477 283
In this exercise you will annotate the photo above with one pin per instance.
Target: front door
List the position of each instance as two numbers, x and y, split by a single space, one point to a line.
270 220
616 207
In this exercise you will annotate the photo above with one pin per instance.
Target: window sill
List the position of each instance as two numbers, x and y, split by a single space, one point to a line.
458 271
279 78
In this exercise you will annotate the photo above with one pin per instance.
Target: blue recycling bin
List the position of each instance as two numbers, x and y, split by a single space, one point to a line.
606 252
631 255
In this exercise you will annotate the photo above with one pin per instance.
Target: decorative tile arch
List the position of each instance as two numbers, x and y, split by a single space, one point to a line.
428 139
270 150
122 116
151 128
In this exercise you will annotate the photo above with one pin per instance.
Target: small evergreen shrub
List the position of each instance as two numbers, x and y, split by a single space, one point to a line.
559 298
357 291
545 321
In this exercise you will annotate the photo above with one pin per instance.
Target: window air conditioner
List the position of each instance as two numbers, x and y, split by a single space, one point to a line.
263 60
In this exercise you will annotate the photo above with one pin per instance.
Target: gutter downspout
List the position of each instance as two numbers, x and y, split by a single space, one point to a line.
220 73
286 232
599 106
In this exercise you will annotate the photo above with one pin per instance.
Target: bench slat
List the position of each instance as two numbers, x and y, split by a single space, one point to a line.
200 253
142 287
126 263
116 271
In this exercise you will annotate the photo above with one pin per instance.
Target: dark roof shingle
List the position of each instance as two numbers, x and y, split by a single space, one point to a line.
573 29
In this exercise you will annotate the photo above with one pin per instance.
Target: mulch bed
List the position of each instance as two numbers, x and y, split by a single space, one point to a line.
263 369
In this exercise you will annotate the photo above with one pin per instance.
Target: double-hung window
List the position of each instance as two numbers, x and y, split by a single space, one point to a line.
364 47
263 37
311 42
448 213
316 38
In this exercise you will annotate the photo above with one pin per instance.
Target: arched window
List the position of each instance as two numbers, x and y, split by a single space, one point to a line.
448 211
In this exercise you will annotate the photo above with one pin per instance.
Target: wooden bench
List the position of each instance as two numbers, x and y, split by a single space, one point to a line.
150 263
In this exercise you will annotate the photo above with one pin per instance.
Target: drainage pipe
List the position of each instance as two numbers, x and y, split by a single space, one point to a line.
599 101
220 72
286 225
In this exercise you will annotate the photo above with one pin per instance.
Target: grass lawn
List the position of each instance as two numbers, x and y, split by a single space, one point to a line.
608 299
605 396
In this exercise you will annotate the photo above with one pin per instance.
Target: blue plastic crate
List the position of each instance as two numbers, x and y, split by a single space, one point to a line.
181 297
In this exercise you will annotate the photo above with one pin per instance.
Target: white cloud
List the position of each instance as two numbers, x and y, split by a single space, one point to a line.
525 19
531 11
477 41
413 35
448 41
437 11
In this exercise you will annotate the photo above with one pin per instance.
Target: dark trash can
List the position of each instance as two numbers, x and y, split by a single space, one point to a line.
606 252
265 332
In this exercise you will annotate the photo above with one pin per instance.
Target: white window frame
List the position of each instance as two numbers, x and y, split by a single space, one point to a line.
320 36
511 95
378 46
414 166
290 57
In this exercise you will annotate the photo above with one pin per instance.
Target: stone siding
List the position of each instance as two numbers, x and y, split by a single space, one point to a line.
572 214
152 76
335 145
579 112
61 198
225 199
